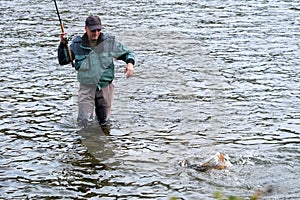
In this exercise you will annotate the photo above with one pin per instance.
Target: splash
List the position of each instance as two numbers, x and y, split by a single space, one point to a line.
218 161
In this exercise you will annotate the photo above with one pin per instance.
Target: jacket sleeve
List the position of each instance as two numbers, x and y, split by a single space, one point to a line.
123 53
63 57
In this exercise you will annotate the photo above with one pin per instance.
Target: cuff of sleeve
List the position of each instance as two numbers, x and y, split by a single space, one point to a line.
62 45
131 61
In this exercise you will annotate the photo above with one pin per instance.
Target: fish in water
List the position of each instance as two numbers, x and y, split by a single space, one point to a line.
218 161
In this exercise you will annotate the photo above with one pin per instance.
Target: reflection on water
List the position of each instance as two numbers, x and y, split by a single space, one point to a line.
211 77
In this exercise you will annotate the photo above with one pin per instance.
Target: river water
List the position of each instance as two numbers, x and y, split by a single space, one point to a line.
211 76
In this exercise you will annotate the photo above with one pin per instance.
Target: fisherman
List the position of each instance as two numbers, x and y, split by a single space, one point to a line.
93 53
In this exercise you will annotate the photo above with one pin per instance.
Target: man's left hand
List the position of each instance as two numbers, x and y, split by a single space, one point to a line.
129 70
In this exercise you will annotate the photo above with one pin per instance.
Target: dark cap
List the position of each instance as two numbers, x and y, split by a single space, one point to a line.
93 23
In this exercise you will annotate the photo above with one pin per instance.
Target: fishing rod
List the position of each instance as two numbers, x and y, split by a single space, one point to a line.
63 31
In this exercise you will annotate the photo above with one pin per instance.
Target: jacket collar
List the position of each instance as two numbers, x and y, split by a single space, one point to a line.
85 41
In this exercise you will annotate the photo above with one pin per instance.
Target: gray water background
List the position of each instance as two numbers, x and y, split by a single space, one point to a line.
211 76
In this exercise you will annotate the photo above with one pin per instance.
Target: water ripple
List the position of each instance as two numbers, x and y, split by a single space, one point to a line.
211 76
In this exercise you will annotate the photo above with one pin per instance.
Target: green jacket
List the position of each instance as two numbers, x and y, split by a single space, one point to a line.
95 66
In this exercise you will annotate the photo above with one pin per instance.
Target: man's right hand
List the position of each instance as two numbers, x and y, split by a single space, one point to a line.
64 38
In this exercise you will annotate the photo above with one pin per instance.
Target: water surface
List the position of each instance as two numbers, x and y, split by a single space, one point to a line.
210 76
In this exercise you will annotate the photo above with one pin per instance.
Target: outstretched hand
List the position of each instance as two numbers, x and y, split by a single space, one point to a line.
129 70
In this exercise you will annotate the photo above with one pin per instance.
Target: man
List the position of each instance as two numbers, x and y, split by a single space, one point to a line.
93 54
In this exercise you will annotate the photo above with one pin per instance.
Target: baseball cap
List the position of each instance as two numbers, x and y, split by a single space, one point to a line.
93 23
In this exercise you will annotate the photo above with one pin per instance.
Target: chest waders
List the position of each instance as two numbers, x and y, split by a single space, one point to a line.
89 74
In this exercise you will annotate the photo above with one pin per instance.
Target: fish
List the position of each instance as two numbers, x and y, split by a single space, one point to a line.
218 161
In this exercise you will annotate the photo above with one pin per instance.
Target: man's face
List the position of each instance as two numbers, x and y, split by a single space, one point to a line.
92 35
